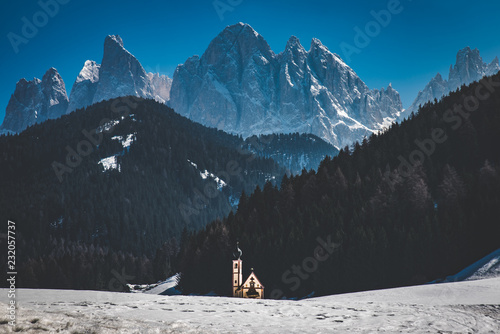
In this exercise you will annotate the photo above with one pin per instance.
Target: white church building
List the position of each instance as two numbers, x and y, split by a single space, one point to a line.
251 288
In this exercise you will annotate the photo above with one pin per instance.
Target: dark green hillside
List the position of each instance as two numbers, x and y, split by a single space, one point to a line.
416 203
79 224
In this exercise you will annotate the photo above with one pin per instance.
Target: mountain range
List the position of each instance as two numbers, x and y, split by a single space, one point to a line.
469 67
240 85
119 74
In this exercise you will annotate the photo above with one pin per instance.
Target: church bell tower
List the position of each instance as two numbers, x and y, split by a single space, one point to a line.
238 274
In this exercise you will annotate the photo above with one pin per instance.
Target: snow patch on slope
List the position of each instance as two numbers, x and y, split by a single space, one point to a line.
206 174
110 163
107 126
127 141
166 287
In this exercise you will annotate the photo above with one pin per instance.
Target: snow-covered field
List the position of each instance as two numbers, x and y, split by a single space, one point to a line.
460 307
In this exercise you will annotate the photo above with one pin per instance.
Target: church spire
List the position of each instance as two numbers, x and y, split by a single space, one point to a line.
239 253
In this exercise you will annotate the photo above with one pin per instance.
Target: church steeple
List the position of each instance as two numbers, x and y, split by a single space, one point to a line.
238 250
237 273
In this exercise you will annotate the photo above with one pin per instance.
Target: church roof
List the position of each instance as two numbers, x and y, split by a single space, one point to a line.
256 280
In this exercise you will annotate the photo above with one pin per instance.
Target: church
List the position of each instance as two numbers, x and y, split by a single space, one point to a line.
251 288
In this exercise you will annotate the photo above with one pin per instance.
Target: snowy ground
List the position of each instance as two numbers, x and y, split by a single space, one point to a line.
460 307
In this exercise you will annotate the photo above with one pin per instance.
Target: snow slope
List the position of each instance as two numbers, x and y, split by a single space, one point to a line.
167 287
487 267
460 307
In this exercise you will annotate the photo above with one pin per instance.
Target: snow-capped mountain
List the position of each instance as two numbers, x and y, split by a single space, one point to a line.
241 86
35 101
469 67
119 74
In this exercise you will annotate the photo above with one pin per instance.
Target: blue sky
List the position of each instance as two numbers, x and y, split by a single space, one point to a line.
421 39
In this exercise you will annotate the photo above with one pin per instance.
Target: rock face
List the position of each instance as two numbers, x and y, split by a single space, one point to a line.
85 86
119 74
160 87
241 86
469 67
35 101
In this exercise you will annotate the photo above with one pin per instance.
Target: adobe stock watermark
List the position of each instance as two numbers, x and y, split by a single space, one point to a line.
122 107
120 281
294 276
11 272
364 36
455 117
223 6
29 29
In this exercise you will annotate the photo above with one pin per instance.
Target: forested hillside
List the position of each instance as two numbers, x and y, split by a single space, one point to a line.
100 197
293 151
413 204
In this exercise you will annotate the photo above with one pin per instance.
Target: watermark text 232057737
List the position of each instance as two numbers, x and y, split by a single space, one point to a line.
11 241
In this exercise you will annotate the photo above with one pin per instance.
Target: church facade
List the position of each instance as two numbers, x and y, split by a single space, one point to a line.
251 287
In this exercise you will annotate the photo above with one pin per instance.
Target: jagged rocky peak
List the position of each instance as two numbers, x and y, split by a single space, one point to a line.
90 72
390 91
437 85
54 90
35 101
113 39
316 44
294 51
84 88
318 49
113 49
469 67
438 78
119 74
493 67
238 39
293 43
292 62
327 58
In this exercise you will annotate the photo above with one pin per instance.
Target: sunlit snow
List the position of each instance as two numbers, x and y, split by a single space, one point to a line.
107 126
206 174
110 163
127 141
